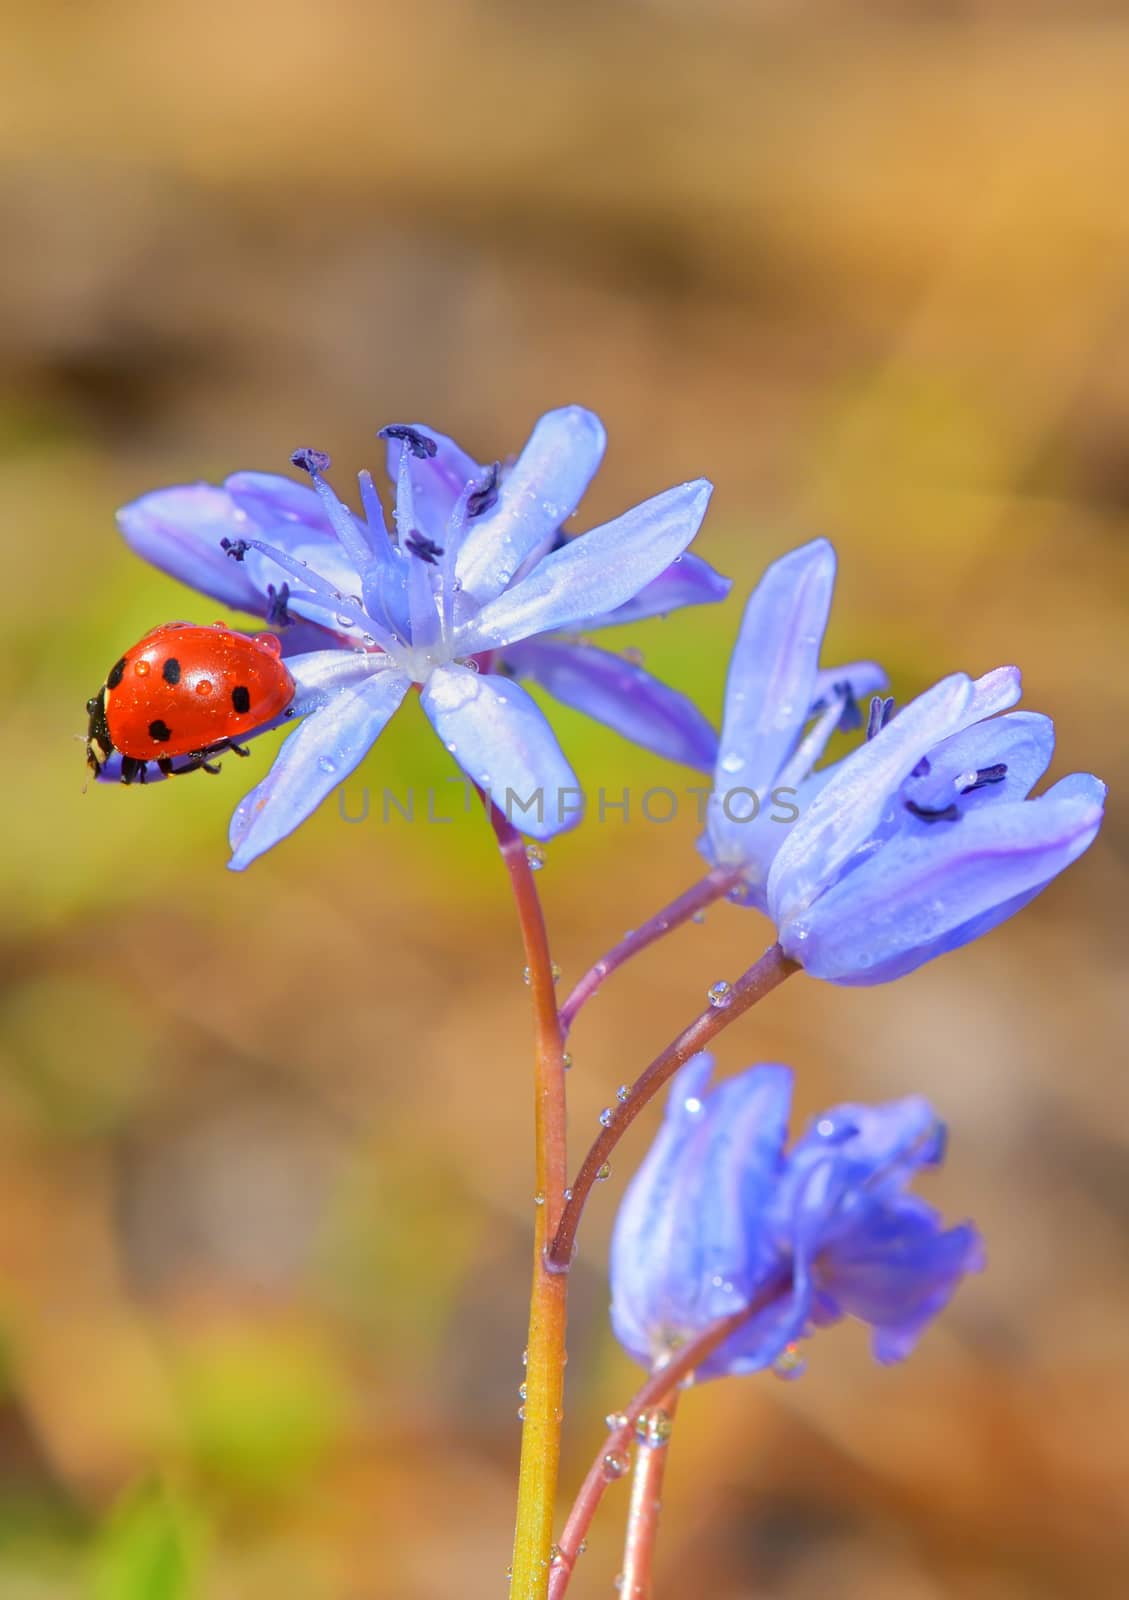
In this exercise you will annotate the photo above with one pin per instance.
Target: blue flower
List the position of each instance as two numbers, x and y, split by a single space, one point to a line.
477 587
763 763
719 1212
915 843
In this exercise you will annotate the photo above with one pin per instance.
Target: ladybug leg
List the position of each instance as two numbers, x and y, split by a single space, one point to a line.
239 749
131 768
165 766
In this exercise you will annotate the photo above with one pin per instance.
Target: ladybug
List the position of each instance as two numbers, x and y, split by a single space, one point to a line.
188 691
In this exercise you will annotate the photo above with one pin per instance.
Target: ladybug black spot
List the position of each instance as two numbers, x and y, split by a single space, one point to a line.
170 672
117 672
241 698
160 731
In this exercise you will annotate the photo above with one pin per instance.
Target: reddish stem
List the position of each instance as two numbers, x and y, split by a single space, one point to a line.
609 1464
646 1499
712 887
764 976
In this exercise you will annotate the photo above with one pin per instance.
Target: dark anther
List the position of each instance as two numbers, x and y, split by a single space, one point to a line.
235 548
850 717
485 496
423 547
277 614
881 710
418 443
310 461
949 813
923 768
985 776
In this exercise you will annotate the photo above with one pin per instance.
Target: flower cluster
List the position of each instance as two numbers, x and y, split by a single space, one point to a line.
720 1211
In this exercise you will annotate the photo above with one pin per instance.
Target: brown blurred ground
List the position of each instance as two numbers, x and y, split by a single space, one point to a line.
264 1186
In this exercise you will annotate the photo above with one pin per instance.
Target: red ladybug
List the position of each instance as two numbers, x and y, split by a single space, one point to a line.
186 691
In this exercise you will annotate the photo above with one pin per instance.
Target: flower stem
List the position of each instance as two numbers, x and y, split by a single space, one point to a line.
712 887
764 976
609 1464
545 1349
646 1498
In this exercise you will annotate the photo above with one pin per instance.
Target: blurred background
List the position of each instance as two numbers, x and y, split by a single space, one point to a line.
265 1183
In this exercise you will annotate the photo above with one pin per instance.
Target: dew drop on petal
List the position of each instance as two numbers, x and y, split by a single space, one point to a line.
719 994
327 766
732 762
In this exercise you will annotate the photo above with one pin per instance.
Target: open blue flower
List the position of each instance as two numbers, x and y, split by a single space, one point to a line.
719 1212
764 760
476 587
913 844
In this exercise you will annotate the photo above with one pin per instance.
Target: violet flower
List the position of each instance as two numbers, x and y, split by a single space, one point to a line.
913 844
476 587
720 1211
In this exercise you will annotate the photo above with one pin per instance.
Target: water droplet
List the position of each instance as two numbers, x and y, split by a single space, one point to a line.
653 1427
327 766
554 1555
623 1094
523 1391
526 976
603 1173
697 916
343 621
789 1363
567 1196
525 1358
509 1572
616 1463
521 1413
566 1061
535 856
142 669
692 1106
582 1547
606 1116
616 1419
719 994
633 656
203 686
732 762
539 1198
556 972
452 746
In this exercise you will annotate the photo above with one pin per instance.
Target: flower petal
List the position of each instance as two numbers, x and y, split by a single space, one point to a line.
847 810
437 481
179 530
688 581
500 738
272 501
593 573
323 751
920 894
1022 743
621 695
540 492
771 685
686 1247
